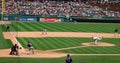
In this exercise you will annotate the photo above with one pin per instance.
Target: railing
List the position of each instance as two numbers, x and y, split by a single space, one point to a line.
60 18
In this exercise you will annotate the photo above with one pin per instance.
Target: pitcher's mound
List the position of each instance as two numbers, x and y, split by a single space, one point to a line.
98 44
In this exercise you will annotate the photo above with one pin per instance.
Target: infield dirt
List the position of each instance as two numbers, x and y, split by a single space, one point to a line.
51 53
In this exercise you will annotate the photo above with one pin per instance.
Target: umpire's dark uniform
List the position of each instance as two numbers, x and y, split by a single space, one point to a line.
116 31
8 29
14 50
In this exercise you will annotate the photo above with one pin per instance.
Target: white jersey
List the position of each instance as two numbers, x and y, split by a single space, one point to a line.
97 38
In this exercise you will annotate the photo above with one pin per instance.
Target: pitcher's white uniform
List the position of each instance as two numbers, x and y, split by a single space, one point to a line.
96 39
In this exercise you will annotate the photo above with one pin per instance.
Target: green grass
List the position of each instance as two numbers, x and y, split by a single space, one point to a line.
64 27
93 50
53 43
4 43
55 27
56 43
76 59
98 50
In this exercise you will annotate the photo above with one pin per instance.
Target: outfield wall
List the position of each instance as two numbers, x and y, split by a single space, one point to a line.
102 20
59 19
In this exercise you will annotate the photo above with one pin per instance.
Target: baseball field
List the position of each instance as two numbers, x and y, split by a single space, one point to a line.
62 38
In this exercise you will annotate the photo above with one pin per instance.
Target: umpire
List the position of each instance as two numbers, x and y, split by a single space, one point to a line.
116 33
14 50
8 28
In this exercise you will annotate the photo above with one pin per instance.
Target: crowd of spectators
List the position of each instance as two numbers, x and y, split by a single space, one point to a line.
110 4
0 6
61 8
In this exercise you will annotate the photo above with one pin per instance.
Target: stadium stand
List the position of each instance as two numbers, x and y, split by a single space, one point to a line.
82 8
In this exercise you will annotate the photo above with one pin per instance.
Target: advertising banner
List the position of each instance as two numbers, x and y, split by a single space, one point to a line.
28 19
6 18
50 20
23 19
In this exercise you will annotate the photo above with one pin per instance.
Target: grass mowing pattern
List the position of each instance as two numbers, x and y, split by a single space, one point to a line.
4 43
94 50
53 43
55 27
64 27
76 59
98 50
56 43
